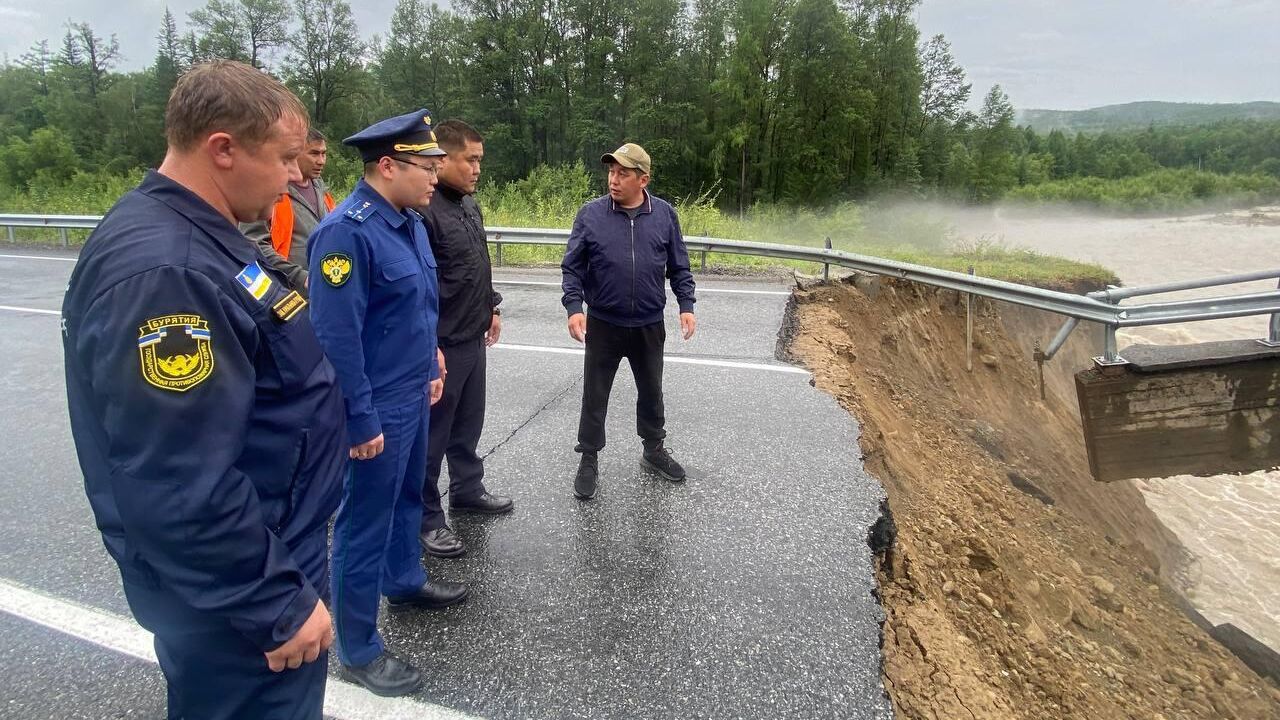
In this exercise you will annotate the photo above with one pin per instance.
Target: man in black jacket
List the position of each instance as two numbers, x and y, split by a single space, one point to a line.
470 322
621 248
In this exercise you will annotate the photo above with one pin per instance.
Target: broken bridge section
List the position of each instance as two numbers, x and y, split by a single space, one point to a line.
1202 409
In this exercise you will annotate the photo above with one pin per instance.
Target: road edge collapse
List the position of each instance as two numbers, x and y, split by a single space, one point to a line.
1013 585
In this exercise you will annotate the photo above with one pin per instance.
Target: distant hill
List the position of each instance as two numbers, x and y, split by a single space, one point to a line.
1141 114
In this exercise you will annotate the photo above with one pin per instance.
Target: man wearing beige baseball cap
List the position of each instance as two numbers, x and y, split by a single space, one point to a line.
621 248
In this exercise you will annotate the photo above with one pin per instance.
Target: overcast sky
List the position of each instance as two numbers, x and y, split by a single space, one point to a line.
1071 55
1045 53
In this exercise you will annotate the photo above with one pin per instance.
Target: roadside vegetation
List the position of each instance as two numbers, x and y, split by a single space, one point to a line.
807 104
550 197
1159 191
776 122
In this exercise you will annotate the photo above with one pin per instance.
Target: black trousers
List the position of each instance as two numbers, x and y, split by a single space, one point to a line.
607 345
456 423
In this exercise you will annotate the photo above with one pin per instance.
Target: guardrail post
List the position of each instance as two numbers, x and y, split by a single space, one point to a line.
497 260
62 232
968 332
1273 337
1110 355
826 268
10 233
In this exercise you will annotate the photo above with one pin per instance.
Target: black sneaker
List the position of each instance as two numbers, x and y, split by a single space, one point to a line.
660 459
584 484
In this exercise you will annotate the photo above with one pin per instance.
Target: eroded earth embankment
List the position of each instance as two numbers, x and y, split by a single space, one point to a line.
1017 586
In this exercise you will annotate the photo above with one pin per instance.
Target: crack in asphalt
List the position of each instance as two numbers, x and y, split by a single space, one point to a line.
531 418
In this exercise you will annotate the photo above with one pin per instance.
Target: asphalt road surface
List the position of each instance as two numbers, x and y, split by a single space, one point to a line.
745 592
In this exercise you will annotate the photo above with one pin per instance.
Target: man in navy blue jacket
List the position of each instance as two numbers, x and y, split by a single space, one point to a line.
207 420
621 248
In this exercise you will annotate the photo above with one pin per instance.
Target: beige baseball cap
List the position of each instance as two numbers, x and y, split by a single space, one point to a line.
629 155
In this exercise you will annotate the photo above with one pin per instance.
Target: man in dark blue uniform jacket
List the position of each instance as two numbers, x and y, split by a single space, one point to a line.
375 307
207 421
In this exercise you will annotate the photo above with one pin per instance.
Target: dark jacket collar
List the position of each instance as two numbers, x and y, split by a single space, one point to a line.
645 207
447 192
200 213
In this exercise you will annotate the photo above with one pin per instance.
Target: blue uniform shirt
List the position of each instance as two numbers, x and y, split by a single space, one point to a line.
207 421
374 304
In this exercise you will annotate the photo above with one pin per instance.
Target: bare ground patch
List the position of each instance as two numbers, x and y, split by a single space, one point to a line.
1017 586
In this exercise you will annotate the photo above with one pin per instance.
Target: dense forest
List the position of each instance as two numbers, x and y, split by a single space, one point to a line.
797 102
1140 115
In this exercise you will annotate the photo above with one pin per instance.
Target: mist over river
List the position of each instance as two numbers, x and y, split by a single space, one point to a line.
1230 524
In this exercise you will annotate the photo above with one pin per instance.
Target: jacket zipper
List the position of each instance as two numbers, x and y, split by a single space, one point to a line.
633 268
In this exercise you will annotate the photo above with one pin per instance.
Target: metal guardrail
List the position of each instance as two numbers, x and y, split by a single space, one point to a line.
1096 307
61 223
1100 307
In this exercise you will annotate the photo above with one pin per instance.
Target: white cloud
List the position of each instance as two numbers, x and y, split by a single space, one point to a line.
7 13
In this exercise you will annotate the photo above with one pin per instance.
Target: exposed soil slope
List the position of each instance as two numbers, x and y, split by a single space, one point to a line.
1018 587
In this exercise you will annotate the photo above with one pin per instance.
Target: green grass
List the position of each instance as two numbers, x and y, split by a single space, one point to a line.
1012 264
550 197
992 261
84 194
1160 191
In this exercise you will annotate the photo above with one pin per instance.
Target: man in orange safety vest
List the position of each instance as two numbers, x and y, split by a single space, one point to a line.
283 239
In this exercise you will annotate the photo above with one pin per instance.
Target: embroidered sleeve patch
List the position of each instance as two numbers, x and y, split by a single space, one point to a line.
254 280
176 351
289 306
336 268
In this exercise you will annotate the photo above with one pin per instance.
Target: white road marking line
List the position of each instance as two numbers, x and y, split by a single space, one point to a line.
495 282
100 628
343 700
38 311
701 289
677 359
40 257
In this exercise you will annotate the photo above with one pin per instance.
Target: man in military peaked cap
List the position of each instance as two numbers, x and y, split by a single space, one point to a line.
375 307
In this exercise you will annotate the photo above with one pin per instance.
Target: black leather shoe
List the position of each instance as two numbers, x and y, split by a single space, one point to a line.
584 483
660 459
442 543
434 595
484 504
387 675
